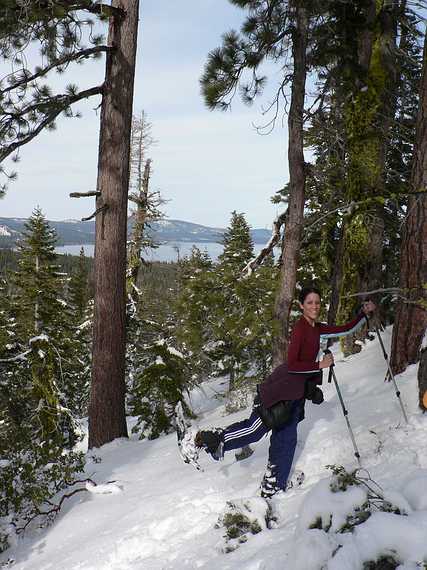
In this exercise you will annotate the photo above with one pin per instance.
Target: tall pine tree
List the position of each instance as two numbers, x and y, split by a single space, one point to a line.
35 425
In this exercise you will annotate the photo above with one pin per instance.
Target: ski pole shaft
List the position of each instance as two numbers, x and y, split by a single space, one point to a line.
390 373
344 410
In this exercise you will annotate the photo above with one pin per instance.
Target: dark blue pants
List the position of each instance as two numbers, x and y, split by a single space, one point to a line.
243 433
282 446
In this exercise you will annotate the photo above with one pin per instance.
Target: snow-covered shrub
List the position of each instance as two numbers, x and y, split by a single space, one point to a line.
30 478
241 519
242 395
352 523
386 562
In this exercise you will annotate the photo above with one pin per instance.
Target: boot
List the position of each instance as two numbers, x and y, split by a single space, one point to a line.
212 442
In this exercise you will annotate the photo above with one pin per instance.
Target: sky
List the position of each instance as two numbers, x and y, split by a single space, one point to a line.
205 163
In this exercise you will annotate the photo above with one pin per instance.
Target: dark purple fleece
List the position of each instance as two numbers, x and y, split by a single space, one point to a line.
287 381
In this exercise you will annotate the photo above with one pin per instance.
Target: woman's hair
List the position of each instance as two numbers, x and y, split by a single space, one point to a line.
306 290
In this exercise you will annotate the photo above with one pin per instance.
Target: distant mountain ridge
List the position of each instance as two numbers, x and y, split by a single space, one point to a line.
75 232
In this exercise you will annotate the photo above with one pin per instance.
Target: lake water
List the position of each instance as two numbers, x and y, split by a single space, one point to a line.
166 252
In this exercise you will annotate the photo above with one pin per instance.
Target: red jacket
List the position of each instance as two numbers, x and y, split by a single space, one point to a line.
287 381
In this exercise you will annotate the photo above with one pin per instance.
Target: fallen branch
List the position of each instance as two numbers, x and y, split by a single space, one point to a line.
55 508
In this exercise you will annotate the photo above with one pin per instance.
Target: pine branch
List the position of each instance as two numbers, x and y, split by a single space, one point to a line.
95 8
51 512
73 6
268 248
83 54
61 102
349 207
398 294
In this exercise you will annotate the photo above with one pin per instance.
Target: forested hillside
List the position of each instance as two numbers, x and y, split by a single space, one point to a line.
75 232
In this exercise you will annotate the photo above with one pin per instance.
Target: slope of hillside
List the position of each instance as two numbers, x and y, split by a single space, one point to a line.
161 514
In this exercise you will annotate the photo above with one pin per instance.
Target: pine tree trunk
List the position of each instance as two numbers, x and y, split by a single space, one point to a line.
336 278
411 314
107 419
294 222
371 271
370 113
386 49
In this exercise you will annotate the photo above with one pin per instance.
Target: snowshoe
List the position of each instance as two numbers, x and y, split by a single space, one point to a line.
269 485
188 449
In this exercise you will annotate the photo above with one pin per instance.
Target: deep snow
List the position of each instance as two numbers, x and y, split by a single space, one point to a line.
161 514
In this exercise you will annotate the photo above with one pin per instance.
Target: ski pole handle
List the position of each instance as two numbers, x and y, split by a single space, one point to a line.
327 351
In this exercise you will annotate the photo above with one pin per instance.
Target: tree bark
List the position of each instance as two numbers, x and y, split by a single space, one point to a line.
293 228
336 278
370 113
371 277
411 313
107 418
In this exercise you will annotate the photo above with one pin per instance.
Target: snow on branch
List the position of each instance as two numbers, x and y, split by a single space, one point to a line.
91 486
268 248
17 357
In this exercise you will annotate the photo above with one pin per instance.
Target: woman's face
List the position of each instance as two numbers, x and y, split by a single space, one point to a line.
311 306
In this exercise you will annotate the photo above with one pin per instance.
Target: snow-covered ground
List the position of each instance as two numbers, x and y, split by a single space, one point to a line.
162 514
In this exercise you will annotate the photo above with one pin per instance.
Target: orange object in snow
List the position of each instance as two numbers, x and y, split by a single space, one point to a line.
425 400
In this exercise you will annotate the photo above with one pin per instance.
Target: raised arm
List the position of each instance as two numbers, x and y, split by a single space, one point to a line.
332 331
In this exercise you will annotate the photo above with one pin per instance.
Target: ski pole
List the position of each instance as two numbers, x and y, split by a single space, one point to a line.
390 373
344 410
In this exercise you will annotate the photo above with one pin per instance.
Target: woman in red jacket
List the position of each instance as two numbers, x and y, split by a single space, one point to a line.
287 382
293 380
